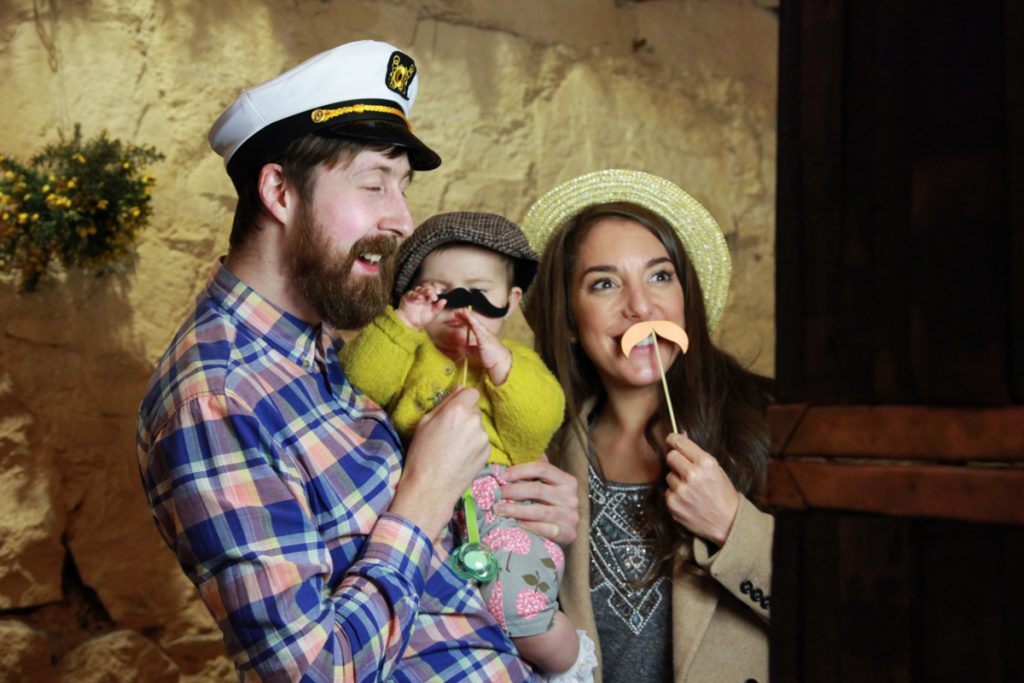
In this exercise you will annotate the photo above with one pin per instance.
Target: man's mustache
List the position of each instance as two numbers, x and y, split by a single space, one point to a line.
662 328
463 298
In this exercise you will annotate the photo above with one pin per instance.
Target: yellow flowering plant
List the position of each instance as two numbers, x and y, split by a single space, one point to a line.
79 203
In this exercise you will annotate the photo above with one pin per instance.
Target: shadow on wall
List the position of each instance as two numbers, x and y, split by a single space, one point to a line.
85 580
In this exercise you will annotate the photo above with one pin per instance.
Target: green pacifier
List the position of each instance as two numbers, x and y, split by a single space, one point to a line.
472 560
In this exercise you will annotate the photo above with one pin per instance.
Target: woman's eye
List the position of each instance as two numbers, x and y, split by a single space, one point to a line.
601 283
663 276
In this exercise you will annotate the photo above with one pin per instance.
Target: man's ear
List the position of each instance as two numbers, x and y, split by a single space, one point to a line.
275 193
515 295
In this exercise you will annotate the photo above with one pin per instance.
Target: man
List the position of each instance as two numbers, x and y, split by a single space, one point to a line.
317 546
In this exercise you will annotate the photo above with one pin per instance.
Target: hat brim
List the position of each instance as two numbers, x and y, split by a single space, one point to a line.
698 231
421 157
362 121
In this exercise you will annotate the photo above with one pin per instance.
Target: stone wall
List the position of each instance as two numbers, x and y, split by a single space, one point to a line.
516 96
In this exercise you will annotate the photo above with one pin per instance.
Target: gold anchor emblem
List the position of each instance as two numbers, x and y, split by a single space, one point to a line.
401 73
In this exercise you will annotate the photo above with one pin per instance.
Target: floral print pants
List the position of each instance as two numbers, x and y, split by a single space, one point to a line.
524 596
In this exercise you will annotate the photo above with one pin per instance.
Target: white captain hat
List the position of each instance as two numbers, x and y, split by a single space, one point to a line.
362 90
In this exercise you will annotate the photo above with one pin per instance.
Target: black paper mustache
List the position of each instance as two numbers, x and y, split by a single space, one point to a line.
462 298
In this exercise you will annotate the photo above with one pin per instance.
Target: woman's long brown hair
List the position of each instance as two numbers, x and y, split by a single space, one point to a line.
719 404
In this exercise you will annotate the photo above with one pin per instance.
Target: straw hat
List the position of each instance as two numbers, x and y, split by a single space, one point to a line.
700 234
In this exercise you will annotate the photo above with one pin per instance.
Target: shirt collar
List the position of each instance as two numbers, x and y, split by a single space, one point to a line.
293 337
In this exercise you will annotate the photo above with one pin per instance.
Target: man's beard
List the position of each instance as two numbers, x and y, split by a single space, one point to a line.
324 278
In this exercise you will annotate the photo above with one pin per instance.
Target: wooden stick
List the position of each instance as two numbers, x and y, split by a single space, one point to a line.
465 359
664 384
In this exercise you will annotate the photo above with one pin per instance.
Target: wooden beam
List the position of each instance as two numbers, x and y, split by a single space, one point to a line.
899 433
964 493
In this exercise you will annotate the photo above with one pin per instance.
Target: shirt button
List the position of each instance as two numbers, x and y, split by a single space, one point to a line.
306 363
746 587
449 369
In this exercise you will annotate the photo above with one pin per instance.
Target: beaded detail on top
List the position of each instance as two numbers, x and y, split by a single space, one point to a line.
622 552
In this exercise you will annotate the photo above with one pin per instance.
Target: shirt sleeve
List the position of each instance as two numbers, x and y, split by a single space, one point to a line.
743 566
380 357
528 406
240 525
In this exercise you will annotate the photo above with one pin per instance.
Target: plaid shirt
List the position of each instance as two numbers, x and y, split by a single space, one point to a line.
270 478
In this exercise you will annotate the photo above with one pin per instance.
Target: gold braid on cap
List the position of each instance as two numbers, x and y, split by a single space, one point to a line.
324 115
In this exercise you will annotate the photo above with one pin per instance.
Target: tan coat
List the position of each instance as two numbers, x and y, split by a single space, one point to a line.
719 632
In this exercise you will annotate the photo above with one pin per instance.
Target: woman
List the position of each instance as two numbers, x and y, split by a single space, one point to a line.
674 582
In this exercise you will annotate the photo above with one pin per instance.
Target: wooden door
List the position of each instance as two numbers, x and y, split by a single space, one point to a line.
898 438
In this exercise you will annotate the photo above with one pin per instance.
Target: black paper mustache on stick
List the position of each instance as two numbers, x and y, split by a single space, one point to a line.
464 298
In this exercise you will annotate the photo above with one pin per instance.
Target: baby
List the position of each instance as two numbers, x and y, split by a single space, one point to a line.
458 278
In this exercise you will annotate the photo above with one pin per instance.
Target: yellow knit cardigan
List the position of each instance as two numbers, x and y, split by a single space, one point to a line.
401 370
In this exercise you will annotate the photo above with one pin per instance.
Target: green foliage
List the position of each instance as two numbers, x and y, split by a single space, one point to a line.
79 203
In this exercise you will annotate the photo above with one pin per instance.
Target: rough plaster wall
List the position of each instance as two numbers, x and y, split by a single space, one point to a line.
515 96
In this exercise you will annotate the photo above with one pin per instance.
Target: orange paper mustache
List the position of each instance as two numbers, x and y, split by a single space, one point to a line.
663 328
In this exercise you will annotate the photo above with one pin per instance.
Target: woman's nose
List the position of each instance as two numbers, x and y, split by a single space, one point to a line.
637 304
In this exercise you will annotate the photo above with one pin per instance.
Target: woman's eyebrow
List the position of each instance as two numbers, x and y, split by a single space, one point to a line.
603 268
600 269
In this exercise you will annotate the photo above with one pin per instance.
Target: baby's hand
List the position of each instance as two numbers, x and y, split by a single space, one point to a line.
419 306
486 349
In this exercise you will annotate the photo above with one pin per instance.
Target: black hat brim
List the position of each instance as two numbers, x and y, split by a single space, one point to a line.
367 126
421 157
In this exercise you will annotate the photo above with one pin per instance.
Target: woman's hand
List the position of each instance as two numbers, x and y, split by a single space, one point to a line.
555 511
700 495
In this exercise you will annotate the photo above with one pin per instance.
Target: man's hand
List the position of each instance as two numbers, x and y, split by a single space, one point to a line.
419 306
486 349
700 495
555 512
449 448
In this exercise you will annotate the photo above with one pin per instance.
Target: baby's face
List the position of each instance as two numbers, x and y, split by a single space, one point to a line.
471 268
